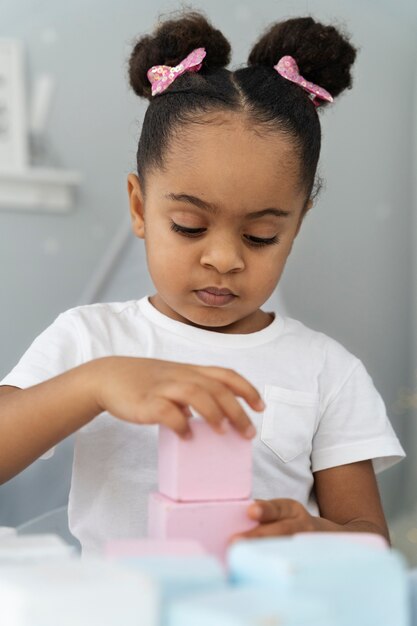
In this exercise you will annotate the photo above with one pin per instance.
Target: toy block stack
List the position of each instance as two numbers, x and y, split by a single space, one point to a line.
204 487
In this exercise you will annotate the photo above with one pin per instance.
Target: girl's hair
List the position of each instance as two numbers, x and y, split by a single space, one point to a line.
270 102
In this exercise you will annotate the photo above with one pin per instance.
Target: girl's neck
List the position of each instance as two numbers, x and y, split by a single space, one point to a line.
251 324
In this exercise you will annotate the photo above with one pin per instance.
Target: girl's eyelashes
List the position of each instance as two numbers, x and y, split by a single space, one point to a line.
193 232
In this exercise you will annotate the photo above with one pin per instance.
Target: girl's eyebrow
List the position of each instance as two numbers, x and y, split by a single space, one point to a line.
212 208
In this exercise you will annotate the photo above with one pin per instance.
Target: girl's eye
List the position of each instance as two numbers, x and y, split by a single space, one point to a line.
253 241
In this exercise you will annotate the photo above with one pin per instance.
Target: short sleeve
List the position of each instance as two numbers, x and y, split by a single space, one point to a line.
56 350
354 426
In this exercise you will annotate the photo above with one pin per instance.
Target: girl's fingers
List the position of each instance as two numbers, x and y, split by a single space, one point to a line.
232 409
161 410
186 410
266 511
212 392
274 529
200 399
237 383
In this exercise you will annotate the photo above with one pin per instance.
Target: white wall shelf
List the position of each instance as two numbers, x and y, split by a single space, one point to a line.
37 189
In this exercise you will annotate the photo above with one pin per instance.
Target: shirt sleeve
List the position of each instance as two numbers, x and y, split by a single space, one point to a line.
354 426
56 350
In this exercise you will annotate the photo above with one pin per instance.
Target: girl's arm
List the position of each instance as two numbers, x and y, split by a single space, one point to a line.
348 500
348 496
35 419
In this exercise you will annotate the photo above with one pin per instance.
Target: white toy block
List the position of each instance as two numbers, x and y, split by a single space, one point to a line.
76 592
26 548
210 523
209 466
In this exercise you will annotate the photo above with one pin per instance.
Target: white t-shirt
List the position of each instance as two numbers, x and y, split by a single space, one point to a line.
323 409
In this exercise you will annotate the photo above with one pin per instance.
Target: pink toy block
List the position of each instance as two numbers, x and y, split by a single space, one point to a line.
209 466
119 548
210 523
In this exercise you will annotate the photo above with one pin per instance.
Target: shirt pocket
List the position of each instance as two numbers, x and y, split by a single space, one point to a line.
288 421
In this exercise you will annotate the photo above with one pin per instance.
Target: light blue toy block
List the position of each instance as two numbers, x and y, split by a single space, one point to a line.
247 606
362 585
179 576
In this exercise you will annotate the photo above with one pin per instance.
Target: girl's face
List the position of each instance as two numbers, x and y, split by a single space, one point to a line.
218 177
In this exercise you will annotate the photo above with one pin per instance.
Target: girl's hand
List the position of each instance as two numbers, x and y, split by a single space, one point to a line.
281 516
155 391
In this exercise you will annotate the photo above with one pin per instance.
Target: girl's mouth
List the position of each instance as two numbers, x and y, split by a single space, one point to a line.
213 299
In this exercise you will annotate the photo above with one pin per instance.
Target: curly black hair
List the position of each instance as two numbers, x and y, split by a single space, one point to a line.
323 54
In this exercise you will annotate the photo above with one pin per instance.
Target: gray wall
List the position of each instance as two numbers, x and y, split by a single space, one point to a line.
350 273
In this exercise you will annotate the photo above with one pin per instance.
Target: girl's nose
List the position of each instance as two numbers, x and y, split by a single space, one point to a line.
222 254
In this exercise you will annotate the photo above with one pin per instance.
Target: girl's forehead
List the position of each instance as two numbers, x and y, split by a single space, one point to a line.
232 160
233 140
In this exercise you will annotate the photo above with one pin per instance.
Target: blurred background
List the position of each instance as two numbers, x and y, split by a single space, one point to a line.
69 128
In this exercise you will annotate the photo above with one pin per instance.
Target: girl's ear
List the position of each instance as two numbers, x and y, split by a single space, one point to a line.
136 205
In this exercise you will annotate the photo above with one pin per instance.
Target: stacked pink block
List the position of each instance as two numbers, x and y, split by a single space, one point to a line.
204 487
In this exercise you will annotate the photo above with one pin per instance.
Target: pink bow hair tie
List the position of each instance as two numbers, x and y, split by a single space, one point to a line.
288 68
161 76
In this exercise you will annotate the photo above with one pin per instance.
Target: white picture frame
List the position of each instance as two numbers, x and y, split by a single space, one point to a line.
14 151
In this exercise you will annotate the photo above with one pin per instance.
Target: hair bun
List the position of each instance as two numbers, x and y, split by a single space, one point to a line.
171 42
323 54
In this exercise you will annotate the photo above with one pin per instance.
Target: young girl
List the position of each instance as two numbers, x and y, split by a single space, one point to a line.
226 169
